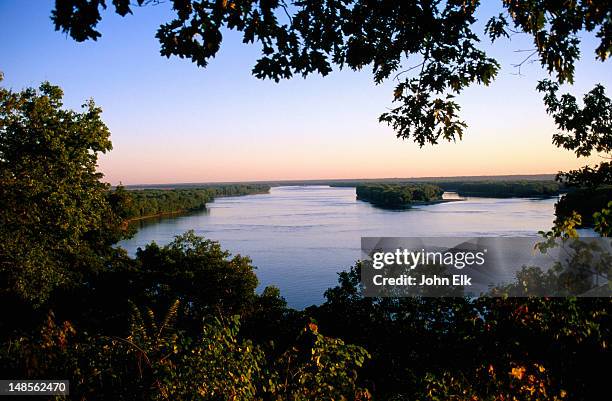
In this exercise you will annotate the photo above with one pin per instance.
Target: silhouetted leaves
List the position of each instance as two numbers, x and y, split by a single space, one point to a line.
433 42
589 129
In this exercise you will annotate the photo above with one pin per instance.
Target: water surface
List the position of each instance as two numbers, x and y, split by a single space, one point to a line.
299 237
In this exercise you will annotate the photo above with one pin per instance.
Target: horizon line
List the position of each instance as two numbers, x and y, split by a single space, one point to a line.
500 177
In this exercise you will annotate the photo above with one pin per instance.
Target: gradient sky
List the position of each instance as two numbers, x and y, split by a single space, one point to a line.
174 122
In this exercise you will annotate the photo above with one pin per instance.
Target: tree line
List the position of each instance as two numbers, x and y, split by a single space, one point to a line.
184 320
398 195
504 189
430 50
144 203
587 202
477 188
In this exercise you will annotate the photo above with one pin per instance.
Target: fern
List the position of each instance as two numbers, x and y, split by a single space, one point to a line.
148 332
169 319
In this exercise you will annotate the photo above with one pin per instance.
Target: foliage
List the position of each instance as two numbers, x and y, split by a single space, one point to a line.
427 348
172 365
319 368
483 188
584 130
430 47
58 222
433 43
502 189
157 361
207 280
153 362
152 202
603 221
55 220
554 28
420 349
585 202
398 195
490 383
582 271
198 273
590 177
588 129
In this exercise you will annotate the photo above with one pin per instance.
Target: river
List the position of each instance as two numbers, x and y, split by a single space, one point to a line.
300 237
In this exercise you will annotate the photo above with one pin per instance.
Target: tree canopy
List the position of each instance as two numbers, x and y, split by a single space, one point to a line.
502 189
398 195
151 202
184 321
54 214
162 325
431 47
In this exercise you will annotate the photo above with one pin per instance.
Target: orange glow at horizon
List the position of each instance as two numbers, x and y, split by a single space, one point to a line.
375 156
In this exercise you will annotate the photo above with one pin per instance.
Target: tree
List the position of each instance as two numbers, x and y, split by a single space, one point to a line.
199 273
472 348
158 361
430 47
53 206
584 130
432 43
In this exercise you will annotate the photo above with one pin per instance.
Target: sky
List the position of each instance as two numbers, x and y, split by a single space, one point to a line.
172 121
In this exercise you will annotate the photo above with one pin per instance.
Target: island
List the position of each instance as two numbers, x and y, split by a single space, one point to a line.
399 196
484 187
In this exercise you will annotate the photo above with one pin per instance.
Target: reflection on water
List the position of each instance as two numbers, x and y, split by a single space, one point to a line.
299 237
153 221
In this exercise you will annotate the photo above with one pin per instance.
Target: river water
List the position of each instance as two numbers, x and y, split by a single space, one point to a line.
300 237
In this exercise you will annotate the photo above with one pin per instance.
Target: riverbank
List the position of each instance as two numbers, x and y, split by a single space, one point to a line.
398 196
300 237
143 204
175 213
410 205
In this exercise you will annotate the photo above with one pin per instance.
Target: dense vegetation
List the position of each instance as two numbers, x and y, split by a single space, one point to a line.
504 189
489 189
152 202
586 202
431 51
183 321
398 195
